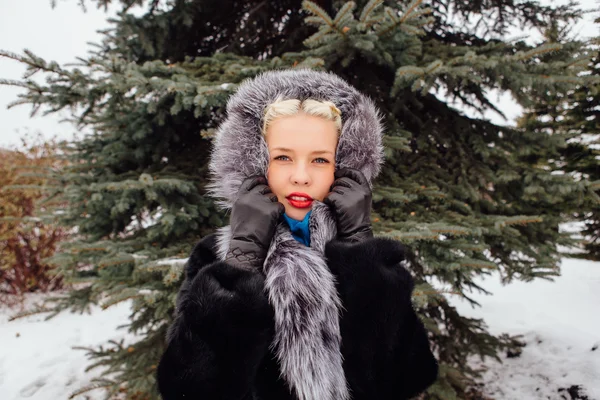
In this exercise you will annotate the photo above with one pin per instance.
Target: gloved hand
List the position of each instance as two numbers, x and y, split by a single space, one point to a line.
350 200
253 220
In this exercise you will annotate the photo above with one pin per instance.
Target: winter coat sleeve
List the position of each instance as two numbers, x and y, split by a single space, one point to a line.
385 346
221 331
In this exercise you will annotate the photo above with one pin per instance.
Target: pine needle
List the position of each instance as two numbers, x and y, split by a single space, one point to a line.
317 11
368 9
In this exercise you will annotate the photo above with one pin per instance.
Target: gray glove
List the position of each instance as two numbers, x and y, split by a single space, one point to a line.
350 200
253 221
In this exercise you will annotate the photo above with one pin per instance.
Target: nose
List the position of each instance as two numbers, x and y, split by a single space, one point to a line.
300 175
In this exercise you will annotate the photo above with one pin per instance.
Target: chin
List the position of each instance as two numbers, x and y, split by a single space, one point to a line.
297 214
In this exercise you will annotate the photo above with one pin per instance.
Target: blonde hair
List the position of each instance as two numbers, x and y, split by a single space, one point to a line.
282 108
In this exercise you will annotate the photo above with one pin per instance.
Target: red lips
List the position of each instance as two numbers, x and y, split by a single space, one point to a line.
300 203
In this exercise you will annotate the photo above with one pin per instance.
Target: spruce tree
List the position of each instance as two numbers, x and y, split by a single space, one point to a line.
571 118
466 196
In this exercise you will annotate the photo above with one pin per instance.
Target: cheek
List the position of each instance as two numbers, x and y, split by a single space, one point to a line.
327 180
273 179
273 175
331 176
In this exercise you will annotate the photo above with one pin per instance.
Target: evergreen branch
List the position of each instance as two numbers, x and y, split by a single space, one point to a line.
405 76
402 22
518 220
473 263
347 8
311 62
35 63
412 235
454 230
59 259
433 67
474 247
125 295
8 188
87 248
118 260
594 185
418 291
82 280
313 20
317 11
88 349
412 30
368 9
12 56
392 14
411 8
594 196
546 48
317 37
574 80
174 275
420 13
439 293
384 29
21 102
24 314
434 193
10 82
424 21
392 194
397 143
581 62
153 266
376 20
41 176
106 384
409 71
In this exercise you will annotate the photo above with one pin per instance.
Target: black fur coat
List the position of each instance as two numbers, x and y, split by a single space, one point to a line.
219 344
328 321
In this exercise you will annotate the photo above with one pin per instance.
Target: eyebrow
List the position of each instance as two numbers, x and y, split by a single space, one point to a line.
291 151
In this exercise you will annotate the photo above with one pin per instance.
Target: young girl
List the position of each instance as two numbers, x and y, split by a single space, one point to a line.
296 299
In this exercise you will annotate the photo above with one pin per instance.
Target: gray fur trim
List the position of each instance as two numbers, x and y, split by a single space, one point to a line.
301 289
223 240
240 151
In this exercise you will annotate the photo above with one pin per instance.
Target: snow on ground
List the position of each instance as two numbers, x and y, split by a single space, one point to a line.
36 358
558 320
560 323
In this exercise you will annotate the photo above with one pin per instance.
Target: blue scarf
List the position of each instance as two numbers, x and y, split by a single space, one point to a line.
299 229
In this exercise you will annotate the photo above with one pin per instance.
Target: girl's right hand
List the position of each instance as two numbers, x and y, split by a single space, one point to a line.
254 218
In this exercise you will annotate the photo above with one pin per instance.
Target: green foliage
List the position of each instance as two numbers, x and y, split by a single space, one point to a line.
570 118
466 196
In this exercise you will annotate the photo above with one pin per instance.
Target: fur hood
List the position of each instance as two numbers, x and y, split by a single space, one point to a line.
240 150
299 284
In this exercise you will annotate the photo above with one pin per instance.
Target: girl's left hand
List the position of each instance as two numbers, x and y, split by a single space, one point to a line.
350 199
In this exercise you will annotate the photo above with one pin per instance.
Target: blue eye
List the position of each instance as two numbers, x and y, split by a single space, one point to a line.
324 160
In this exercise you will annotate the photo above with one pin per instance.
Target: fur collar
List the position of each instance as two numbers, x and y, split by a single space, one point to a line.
301 289
299 284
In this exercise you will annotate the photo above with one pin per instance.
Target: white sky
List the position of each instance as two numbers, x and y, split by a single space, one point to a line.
60 34
63 33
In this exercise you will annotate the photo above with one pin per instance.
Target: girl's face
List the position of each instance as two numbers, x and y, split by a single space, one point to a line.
301 161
